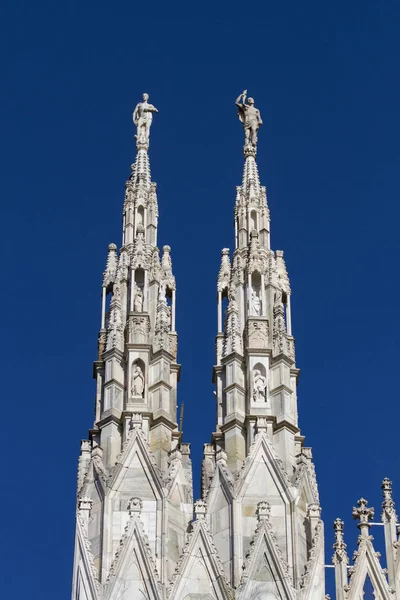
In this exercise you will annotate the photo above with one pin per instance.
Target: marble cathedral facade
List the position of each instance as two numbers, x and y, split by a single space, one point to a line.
256 533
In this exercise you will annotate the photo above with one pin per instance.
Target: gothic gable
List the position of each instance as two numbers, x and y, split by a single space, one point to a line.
133 573
265 574
199 574
136 468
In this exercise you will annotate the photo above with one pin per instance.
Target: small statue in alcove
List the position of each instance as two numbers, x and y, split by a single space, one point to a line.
137 387
255 304
138 302
259 386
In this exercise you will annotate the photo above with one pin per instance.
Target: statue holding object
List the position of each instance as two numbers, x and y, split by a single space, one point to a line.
142 118
250 116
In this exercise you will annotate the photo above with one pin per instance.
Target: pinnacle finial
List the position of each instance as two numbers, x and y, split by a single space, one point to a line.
364 513
250 116
339 545
142 118
388 510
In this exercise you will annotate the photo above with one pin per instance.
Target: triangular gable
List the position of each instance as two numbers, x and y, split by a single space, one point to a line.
220 484
312 584
263 450
133 571
303 483
265 573
304 475
199 571
137 445
85 571
367 563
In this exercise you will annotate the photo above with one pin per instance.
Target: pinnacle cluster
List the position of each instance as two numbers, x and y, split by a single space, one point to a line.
256 532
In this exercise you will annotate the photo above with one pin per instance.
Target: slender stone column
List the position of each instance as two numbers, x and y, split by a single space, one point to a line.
219 312
173 310
103 308
288 315
132 291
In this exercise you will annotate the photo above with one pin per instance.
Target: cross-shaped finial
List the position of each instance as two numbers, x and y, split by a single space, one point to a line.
364 513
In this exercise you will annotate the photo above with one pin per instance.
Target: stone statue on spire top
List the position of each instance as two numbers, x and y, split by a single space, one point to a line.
142 118
250 116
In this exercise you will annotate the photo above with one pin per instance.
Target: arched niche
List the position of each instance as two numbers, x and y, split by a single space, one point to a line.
253 220
137 384
140 216
259 383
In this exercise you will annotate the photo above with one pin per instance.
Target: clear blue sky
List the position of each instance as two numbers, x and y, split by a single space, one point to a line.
325 77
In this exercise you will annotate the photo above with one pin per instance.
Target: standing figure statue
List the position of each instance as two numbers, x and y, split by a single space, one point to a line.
137 384
259 386
142 118
255 308
138 301
250 116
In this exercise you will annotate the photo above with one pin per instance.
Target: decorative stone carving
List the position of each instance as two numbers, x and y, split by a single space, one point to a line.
142 118
111 267
134 506
224 274
364 513
255 304
200 509
257 333
138 329
263 511
137 385
138 301
388 509
259 386
340 554
250 116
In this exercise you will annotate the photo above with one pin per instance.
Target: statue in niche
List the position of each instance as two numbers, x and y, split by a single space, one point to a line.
142 118
250 116
162 290
278 296
259 386
138 302
255 304
137 386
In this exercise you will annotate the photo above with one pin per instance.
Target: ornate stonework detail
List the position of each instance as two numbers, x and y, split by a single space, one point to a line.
257 260
135 506
263 511
364 513
89 555
140 258
224 274
280 342
138 329
162 327
313 556
101 344
123 265
111 267
115 334
238 269
388 509
207 469
283 277
166 265
339 546
233 341
257 333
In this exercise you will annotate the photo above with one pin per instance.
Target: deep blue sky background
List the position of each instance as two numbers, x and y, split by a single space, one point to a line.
325 77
